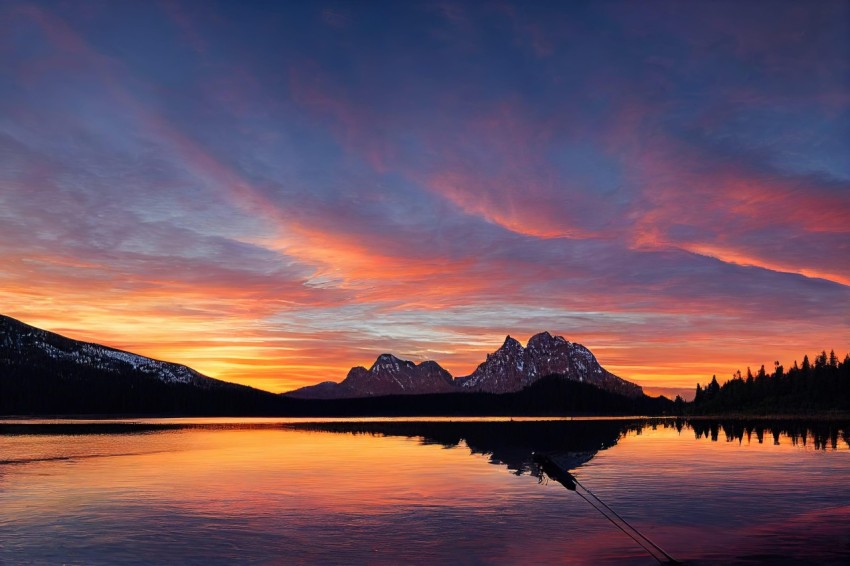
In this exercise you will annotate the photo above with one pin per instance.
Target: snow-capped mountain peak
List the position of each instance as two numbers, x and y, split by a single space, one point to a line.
512 367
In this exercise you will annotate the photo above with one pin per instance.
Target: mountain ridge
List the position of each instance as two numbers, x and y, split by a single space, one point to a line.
44 373
511 368
388 375
58 346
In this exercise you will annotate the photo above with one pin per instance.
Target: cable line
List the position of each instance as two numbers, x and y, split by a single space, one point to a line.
559 473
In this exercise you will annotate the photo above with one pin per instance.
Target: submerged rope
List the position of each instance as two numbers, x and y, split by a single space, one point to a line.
653 549
552 469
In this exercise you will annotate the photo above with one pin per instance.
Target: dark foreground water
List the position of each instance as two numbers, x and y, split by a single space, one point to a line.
277 492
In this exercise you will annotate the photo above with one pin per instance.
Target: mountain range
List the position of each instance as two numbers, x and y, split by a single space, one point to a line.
509 369
43 373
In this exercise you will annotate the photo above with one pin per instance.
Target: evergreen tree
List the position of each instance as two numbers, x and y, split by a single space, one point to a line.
801 390
713 388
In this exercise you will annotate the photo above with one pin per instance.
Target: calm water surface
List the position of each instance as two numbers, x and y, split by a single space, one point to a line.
271 491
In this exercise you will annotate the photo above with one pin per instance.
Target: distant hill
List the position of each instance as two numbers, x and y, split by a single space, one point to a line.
509 369
43 373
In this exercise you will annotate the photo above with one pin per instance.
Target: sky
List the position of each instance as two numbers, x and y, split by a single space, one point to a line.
274 192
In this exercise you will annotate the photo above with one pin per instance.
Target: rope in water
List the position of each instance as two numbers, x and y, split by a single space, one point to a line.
653 549
570 482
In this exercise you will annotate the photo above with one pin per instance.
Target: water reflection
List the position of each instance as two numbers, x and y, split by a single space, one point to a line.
820 434
505 442
71 428
396 491
510 444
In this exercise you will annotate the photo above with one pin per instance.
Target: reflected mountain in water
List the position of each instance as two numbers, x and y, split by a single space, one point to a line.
235 490
507 443
512 443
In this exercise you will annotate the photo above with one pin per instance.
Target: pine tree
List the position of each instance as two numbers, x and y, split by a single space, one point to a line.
809 389
713 388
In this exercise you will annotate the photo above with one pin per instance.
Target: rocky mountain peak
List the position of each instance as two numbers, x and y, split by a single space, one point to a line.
431 365
513 367
511 344
546 342
510 368
388 375
356 371
390 363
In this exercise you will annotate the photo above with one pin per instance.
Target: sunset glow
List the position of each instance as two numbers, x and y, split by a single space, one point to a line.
274 193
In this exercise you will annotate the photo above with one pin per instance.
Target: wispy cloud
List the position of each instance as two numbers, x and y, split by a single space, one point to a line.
274 196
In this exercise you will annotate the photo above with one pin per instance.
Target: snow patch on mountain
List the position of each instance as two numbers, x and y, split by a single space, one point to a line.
510 368
21 339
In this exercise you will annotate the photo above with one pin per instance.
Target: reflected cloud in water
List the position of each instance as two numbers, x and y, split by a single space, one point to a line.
415 491
512 444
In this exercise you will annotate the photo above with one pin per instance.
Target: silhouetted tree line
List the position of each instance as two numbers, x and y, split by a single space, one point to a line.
806 388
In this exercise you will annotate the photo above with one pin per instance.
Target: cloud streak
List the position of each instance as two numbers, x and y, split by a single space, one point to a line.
275 196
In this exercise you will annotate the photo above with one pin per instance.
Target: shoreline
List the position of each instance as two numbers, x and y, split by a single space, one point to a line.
832 416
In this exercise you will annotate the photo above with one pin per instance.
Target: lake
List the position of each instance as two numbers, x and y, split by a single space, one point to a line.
273 491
